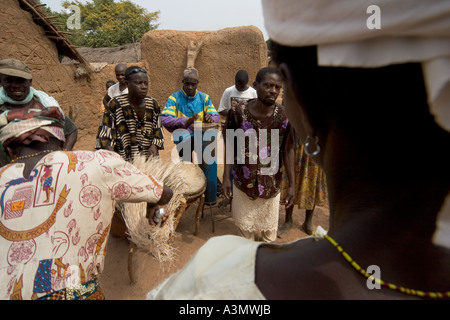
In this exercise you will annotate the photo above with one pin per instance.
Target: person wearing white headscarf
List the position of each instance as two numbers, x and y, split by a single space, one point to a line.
56 209
363 35
366 87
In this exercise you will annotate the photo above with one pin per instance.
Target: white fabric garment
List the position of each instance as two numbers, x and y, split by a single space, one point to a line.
352 33
410 31
115 91
231 95
442 234
223 268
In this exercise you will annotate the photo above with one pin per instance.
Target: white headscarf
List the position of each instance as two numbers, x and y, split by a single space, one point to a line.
346 35
351 33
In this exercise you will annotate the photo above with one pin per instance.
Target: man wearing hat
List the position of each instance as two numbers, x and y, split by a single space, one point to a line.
187 106
16 93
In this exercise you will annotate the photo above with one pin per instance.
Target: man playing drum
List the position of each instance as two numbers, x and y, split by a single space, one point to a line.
187 106
184 110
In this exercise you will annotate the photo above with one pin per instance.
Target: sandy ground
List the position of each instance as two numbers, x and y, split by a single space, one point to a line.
149 272
115 280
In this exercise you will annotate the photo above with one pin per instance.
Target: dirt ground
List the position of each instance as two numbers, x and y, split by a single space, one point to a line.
115 280
149 272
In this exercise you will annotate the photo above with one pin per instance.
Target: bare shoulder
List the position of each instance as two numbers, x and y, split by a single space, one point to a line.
310 270
293 271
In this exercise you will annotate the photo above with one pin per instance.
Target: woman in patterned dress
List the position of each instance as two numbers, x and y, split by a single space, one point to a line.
310 190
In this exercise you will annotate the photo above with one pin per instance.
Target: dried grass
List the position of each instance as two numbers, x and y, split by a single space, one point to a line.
156 240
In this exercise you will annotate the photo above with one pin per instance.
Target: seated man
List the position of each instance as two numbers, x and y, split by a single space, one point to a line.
16 93
132 123
186 106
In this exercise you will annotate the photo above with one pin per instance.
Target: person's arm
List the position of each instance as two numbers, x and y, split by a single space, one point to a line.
146 188
169 117
226 182
71 139
106 100
166 196
71 133
172 123
151 207
289 165
224 104
157 134
110 94
153 150
106 131
211 114
212 117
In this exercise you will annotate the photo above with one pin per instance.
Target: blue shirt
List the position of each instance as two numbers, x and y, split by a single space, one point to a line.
180 105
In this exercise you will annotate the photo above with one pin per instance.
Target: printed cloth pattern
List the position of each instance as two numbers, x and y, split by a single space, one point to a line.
55 224
247 176
121 128
310 181
90 290
232 96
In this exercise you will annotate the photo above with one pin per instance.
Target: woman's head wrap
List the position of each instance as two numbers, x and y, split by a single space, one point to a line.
26 125
351 33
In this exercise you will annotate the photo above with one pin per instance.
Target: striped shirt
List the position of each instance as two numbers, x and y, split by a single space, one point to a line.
121 128
180 107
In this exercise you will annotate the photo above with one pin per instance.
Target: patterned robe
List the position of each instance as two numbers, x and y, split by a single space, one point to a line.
248 173
121 129
60 244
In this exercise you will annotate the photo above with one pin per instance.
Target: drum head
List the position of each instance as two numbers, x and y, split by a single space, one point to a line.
210 125
194 180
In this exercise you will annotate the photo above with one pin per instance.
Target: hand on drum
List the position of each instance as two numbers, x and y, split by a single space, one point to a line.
154 150
151 209
191 120
208 118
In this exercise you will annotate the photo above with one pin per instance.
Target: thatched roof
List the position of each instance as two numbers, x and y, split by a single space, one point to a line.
128 53
63 44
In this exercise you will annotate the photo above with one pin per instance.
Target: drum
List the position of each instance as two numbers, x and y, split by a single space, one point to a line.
187 182
193 180
195 186
209 125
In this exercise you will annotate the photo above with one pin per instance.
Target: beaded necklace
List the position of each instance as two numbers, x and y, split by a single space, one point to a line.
31 155
356 266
